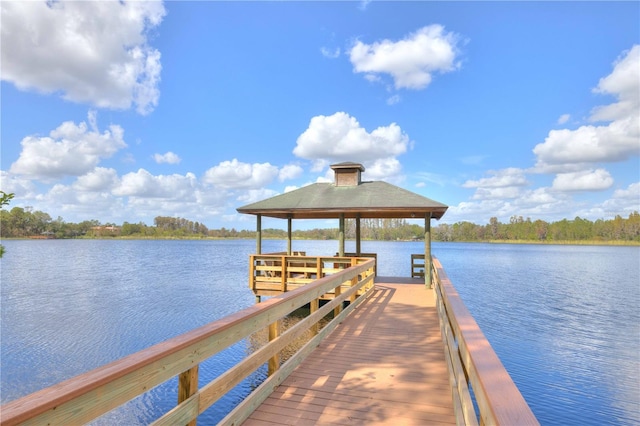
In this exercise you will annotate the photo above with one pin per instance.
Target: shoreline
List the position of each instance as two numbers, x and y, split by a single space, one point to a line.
516 242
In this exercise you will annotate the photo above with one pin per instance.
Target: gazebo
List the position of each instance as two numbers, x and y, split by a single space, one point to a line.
348 197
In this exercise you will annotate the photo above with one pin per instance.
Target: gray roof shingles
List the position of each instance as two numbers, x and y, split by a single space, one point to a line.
368 199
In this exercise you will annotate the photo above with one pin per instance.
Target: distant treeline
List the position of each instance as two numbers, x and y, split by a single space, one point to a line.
24 223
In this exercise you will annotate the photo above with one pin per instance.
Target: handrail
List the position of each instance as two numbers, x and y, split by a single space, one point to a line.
87 396
472 361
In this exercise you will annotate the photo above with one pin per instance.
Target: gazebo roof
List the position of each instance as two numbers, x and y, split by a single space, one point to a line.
348 196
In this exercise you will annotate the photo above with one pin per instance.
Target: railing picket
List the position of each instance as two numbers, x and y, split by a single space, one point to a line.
274 361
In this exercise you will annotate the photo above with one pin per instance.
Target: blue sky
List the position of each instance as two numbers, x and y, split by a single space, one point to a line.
124 111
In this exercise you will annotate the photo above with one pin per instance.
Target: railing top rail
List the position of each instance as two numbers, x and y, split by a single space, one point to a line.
498 397
262 314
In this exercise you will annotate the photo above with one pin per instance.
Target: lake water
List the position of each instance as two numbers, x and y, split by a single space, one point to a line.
564 320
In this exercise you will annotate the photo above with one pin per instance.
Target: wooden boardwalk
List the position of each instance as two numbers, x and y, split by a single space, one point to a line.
383 365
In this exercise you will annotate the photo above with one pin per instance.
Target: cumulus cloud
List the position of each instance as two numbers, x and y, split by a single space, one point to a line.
91 52
501 184
255 195
339 138
384 168
70 150
412 61
236 175
536 203
12 184
623 202
565 149
585 180
499 179
290 171
624 84
145 185
167 158
572 150
99 179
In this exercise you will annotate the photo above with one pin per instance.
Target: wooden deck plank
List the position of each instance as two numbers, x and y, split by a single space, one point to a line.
383 365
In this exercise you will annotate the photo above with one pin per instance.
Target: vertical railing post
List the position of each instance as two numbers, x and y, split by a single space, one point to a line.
336 294
283 273
427 250
354 281
274 361
252 272
187 387
313 307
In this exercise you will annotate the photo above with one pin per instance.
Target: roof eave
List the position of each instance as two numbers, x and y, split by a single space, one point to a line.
373 213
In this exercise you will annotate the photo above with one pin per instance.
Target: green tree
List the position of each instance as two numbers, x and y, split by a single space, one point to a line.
4 201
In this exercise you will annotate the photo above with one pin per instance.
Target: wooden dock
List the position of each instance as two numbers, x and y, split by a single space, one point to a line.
384 364
398 353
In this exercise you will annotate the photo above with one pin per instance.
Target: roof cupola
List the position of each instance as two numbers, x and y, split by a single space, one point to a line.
347 174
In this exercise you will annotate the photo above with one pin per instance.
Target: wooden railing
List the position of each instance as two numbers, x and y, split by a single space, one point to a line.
274 273
417 266
473 362
88 396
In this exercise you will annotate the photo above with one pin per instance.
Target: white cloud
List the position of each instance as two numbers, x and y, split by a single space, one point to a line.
500 185
499 179
623 202
412 61
631 193
236 175
564 149
92 52
290 171
393 100
99 179
624 84
255 195
168 158
586 180
86 204
339 138
143 184
571 150
12 184
538 203
384 169
70 150
496 193
329 53
564 118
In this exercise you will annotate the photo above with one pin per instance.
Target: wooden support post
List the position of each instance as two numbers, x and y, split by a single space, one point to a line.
259 234
358 249
427 250
289 236
187 387
274 361
341 236
313 307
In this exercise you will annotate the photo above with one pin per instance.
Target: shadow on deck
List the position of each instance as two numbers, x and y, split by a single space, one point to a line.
384 364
